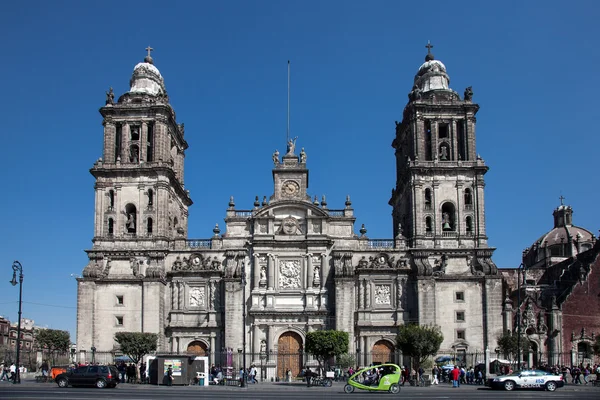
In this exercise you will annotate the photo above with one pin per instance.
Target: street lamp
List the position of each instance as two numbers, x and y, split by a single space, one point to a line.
18 267
93 354
243 276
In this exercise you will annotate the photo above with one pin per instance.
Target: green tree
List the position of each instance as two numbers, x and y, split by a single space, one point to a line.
508 344
419 342
326 344
346 360
53 342
137 344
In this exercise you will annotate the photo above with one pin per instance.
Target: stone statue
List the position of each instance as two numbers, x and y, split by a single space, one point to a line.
291 146
443 153
302 156
110 96
400 231
263 274
276 157
133 154
317 275
469 94
263 346
135 266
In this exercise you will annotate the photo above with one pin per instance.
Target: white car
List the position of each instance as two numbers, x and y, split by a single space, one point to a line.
529 379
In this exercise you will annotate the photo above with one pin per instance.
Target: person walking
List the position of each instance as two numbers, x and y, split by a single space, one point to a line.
169 376
434 375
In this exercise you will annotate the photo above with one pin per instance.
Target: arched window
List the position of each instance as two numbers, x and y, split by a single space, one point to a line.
130 218
111 227
428 199
469 223
149 226
111 200
448 217
150 198
428 225
468 198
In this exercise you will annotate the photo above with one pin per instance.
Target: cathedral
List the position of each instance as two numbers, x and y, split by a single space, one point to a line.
290 264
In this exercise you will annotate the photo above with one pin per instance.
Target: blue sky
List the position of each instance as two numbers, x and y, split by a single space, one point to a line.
532 65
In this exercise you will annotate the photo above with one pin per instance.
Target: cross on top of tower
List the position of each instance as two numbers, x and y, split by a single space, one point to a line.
429 47
148 58
561 198
429 55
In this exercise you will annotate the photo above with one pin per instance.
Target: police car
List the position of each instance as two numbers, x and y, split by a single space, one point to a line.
531 379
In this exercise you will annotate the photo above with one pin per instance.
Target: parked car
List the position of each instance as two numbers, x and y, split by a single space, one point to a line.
532 379
100 376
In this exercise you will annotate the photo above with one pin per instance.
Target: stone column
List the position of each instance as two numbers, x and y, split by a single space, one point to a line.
270 339
180 295
100 209
368 295
212 285
454 139
118 221
309 271
324 271
459 209
173 296
366 351
109 142
271 271
434 141
361 294
256 270
437 230
125 132
255 340
143 142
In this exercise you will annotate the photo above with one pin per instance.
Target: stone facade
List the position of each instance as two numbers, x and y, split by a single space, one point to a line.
306 267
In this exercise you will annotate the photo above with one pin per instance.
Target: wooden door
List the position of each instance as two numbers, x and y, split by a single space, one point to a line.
289 354
197 348
382 352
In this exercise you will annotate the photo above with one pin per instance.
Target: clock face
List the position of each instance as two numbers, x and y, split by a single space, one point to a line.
290 188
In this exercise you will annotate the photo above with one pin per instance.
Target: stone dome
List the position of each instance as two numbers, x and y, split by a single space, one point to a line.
146 79
563 241
432 75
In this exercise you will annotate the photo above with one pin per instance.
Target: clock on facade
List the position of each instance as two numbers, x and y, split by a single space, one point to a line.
290 188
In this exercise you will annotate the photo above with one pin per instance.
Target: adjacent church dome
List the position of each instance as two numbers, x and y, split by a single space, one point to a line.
146 78
563 241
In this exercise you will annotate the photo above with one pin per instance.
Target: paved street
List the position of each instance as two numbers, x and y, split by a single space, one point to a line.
277 391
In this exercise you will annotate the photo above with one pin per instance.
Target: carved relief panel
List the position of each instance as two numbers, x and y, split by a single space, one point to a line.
383 295
290 274
197 297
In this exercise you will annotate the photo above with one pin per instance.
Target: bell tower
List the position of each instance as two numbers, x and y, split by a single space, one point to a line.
438 201
140 195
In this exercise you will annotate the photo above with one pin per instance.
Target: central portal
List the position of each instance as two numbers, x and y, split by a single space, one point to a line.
289 354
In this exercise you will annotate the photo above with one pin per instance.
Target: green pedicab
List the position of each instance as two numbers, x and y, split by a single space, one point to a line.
383 377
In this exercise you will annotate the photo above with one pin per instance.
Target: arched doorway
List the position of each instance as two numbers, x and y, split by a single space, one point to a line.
198 348
289 354
382 352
